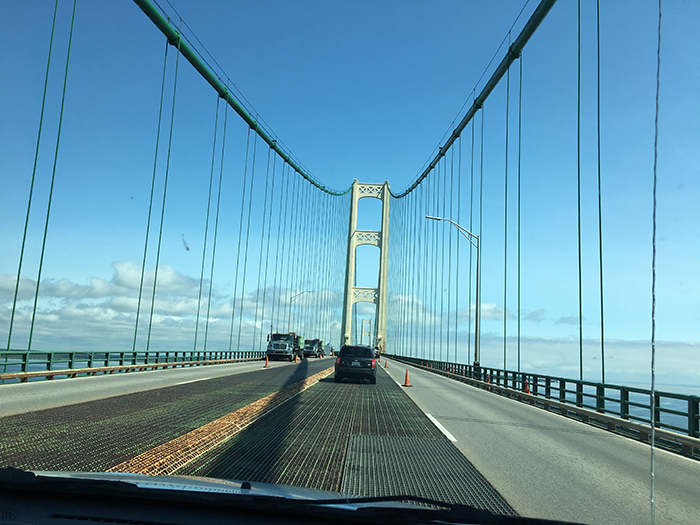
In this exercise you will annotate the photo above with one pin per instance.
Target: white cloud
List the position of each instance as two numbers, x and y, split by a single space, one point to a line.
102 314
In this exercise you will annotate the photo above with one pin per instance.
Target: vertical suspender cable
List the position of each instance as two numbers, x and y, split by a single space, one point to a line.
481 214
262 247
449 254
165 192
417 223
471 247
53 178
267 251
275 289
578 161
600 203
216 225
206 224
653 271
240 236
281 254
426 243
436 193
292 246
459 208
505 226
520 134
247 240
442 259
299 262
402 281
150 202
31 186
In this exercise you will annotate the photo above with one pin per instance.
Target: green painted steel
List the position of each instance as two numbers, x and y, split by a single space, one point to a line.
513 53
675 412
193 58
15 361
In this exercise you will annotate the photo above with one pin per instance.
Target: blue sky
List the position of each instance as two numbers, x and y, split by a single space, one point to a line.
368 90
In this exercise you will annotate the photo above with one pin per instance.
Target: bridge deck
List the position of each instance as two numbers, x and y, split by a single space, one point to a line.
362 439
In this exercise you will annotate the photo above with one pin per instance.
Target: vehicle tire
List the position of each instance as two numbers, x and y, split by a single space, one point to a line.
336 379
373 381
291 359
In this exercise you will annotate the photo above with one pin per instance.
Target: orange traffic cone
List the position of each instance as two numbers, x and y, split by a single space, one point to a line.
267 362
406 383
295 358
386 363
527 387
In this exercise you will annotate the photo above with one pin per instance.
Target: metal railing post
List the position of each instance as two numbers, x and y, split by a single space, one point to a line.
579 394
624 403
600 398
562 390
693 422
657 410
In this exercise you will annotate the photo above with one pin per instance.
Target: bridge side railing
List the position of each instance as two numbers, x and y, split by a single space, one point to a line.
674 412
22 365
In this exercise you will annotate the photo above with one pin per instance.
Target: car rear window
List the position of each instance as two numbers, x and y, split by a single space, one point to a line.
356 351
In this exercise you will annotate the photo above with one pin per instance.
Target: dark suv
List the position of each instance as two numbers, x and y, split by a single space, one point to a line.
356 362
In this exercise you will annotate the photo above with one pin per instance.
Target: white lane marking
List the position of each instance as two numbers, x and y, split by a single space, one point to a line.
442 429
193 381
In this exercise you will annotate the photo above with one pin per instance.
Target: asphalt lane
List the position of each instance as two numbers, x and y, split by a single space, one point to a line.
18 398
553 467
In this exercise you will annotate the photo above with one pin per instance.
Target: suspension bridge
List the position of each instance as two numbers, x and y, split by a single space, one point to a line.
219 237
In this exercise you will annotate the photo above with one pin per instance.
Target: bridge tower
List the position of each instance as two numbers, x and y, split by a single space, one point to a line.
356 294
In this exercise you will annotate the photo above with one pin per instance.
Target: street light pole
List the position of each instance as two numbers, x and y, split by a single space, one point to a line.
476 242
289 319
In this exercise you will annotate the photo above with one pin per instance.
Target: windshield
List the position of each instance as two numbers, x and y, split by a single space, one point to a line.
496 202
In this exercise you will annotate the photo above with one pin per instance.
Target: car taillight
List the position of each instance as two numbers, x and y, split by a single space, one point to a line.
374 363
337 362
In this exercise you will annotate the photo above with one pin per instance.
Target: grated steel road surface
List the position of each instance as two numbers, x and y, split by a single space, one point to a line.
100 434
369 440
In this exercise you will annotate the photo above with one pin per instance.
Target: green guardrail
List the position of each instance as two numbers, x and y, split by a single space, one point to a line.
675 412
18 361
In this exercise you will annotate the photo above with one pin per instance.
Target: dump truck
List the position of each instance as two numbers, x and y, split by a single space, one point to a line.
284 346
313 348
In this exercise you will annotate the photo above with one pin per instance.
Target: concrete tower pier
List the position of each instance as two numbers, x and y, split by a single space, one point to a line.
355 294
